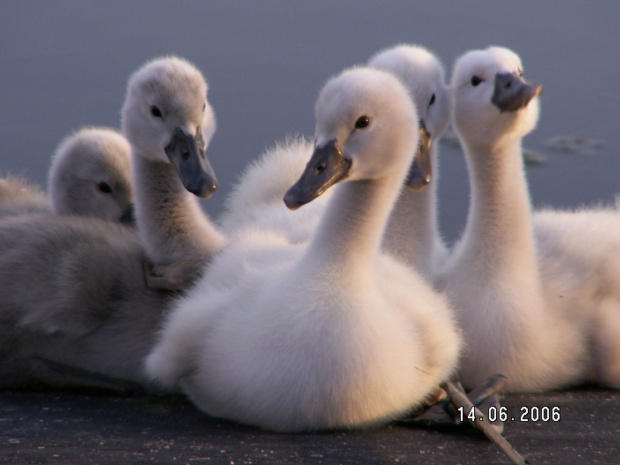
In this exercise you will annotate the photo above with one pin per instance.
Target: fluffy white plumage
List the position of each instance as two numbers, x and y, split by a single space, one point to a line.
257 197
330 333
412 234
493 277
579 256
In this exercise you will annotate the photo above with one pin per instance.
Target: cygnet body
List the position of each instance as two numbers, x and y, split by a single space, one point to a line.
330 333
492 277
412 234
169 122
256 198
73 292
579 256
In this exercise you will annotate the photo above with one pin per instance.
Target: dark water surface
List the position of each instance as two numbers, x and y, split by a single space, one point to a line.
65 64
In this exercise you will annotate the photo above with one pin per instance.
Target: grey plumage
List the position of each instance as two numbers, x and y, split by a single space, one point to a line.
73 291
75 303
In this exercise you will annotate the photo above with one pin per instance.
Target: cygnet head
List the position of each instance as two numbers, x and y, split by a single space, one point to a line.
91 175
423 75
491 101
167 118
365 129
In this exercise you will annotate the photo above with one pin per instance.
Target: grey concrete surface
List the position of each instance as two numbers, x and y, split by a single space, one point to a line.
55 428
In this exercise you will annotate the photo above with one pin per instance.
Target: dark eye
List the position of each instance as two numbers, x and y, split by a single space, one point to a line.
204 107
105 188
432 100
476 80
156 112
362 122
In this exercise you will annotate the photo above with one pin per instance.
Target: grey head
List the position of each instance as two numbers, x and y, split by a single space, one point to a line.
167 118
90 175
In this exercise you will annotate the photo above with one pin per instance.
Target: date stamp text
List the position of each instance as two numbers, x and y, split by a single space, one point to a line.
526 414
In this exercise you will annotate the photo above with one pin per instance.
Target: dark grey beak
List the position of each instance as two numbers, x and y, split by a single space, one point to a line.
421 170
512 93
128 218
187 154
326 167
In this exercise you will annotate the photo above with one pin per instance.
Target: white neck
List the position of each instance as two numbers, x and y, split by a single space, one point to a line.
412 233
498 238
348 240
171 223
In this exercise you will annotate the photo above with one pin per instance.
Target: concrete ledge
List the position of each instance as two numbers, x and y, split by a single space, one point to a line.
53 428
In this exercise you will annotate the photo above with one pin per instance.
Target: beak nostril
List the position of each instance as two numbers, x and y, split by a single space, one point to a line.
185 154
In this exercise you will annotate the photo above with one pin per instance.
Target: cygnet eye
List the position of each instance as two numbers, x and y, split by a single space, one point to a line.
475 80
362 122
105 187
156 112
432 100
204 107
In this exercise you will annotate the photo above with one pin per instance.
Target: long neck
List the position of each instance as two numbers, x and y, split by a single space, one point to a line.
498 235
171 223
412 233
351 230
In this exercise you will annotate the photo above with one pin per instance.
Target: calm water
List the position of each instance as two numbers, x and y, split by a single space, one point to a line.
65 65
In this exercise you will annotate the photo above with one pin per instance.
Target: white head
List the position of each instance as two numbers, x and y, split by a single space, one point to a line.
423 75
491 101
167 118
365 129
91 175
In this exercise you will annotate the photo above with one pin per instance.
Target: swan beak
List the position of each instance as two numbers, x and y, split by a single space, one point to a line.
326 167
512 93
421 169
129 218
187 155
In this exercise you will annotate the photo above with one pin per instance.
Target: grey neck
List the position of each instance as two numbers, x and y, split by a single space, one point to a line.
171 223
